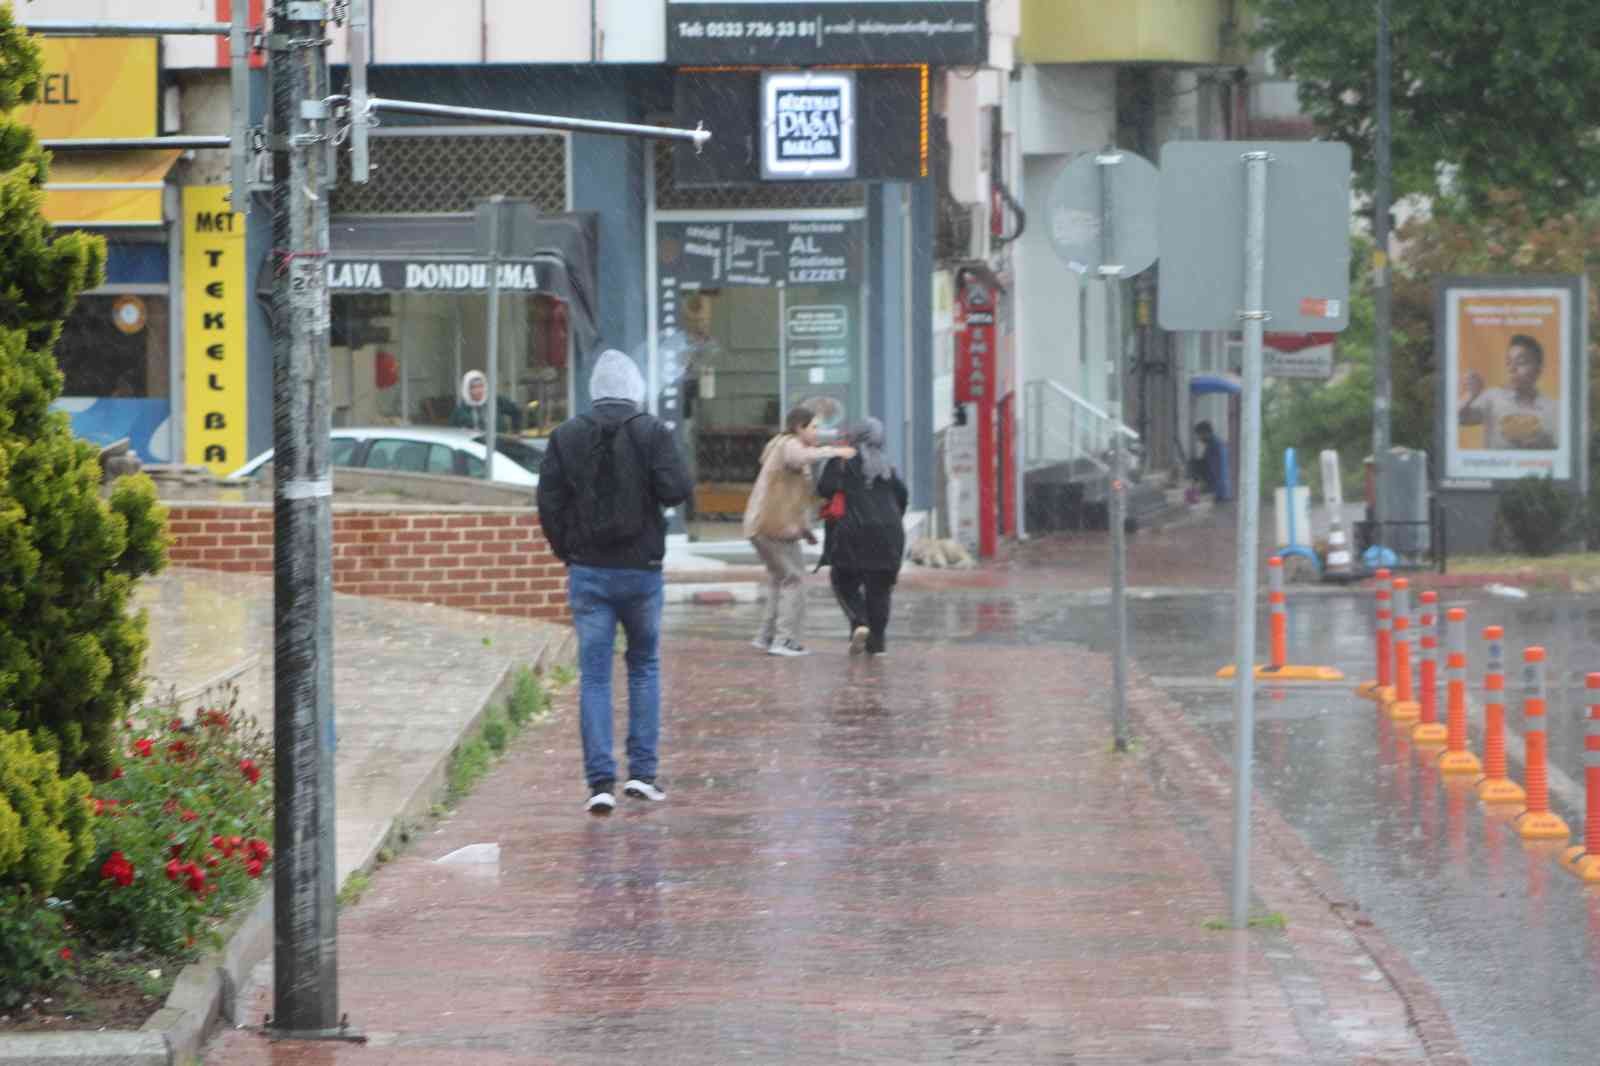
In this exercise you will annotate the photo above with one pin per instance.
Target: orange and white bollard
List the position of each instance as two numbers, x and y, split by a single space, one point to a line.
1456 758
1371 689
1279 669
1585 859
1538 821
1496 786
1429 730
1280 614
1403 707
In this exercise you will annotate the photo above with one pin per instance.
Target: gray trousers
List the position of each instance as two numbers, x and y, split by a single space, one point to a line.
786 593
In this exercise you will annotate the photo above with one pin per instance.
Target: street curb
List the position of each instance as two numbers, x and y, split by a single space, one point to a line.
718 594
207 991
1181 742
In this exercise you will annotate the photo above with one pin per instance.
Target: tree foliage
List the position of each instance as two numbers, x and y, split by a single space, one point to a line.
71 646
1502 96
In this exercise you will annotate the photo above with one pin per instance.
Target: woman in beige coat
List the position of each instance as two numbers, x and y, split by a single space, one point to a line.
778 518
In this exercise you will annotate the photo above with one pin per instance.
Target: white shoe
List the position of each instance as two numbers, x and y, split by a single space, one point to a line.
858 639
762 645
601 804
640 789
788 648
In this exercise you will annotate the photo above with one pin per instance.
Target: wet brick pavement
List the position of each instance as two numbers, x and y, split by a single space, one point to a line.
933 857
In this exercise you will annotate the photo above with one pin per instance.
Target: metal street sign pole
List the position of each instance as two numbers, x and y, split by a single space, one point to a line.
1254 318
1382 363
1110 271
491 421
305 913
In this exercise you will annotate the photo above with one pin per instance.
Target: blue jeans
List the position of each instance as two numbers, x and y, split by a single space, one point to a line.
601 598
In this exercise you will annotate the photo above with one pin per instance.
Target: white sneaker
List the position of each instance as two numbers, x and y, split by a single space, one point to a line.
788 649
858 639
762 645
601 804
640 789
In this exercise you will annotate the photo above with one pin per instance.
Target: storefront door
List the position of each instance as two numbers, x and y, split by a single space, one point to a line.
754 317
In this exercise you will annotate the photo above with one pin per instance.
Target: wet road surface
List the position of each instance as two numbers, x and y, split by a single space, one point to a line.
1508 939
931 857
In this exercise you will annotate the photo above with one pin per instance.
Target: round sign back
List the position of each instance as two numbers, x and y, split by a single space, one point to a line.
1078 207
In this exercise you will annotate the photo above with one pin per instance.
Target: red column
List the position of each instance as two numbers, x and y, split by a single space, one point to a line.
1008 465
986 479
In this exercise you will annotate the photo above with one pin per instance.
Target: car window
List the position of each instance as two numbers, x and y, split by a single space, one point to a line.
342 450
528 454
411 456
473 465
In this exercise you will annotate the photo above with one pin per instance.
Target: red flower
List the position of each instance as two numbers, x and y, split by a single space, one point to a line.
117 868
145 747
214 719
177 725
213 861
188 816
250 770
254 867
235 842
259 849
176 851
197 879
178 750
116 774
174 868
66 954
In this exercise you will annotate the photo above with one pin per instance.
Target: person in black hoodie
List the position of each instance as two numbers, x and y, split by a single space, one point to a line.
866 546
605 481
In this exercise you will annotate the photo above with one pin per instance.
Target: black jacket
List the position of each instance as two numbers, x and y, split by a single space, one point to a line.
657 475
871 535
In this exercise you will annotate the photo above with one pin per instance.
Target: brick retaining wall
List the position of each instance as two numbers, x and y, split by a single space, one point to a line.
488 559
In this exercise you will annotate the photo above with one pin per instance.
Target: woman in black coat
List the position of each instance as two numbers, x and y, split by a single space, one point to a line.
866 546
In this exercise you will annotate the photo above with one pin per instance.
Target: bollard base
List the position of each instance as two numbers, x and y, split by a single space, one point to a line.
1430 733
1288 673
1583 865
1367 690
1459 762
1544 825
1501 790
1405 710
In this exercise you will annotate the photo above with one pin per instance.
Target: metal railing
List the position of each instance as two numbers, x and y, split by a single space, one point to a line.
1064 428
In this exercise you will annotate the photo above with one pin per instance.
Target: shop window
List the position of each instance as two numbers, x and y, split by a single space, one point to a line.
399 359
116 344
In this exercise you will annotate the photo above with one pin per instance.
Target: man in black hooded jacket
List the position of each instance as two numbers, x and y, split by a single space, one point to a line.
605 481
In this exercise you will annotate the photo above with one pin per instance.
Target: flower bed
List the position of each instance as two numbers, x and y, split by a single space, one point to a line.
182 831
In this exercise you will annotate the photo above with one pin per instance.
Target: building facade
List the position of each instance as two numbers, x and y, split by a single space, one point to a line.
791 261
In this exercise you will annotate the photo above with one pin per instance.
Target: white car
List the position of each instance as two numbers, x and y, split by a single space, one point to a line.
424 450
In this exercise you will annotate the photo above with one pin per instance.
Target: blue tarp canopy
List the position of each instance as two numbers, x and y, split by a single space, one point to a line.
1207 384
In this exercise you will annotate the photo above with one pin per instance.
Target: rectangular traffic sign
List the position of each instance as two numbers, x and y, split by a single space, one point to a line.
1202 235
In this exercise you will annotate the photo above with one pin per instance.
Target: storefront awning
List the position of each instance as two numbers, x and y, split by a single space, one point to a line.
107 189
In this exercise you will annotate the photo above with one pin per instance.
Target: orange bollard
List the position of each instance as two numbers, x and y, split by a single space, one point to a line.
1280 615
1371 689
1585 860
1430 730
1456 758
1538 821
1403 706
1496 786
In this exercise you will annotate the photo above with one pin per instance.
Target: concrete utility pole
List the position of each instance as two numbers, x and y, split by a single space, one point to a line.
1382 370
305 940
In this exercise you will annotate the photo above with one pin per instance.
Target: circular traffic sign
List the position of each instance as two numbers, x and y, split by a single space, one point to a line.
1078 209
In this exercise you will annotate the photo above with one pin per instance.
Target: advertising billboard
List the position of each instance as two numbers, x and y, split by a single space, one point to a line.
815 32
1511 391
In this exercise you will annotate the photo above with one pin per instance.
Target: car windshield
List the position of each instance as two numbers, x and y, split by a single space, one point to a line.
526 453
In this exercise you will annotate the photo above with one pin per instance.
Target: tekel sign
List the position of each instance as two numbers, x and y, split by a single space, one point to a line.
808 126
975 344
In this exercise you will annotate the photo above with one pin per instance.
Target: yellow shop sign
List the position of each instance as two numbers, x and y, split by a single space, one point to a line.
96 87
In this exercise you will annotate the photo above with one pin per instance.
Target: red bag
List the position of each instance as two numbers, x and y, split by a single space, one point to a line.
833 510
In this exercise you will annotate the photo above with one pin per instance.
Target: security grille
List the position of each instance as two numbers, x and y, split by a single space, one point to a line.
769 196
433 174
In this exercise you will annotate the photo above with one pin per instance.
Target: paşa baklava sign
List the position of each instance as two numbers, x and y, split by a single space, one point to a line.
810 32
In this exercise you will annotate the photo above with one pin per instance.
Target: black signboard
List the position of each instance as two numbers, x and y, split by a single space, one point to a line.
882 130
808 121
802 33
433 275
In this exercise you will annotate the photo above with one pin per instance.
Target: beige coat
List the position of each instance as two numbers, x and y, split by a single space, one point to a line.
784 496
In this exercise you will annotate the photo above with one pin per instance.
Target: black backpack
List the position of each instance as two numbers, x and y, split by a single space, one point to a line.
607 486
